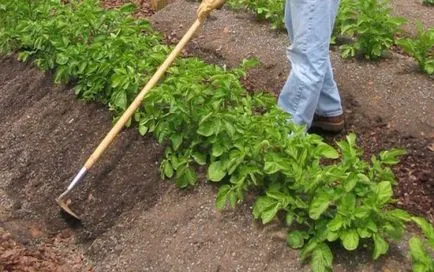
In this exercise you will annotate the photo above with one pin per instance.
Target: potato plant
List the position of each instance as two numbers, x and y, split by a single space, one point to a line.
421 251
206 119
421 48
428 2
371 24
271 11
368 22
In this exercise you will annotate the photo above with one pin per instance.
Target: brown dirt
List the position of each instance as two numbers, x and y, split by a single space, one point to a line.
133 221
46 137
414 11
51 256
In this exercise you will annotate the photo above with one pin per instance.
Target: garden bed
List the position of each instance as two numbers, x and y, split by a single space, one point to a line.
134 221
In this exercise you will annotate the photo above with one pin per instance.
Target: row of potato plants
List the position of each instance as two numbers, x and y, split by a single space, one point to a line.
369 25
206 119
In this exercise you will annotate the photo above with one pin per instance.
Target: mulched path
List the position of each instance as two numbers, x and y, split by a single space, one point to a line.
414 190
47 257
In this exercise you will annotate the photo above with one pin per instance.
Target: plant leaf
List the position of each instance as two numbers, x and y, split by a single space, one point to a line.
176 141
427 228
389 157
216 171
295 239
268 214
327 151
380 246
142 129
167 169
319 204
400 214
186 176
336 223
222 197
350 239
322 258
332 236
384 192
200 158
217 149
419 256
289 218
207 128
262 203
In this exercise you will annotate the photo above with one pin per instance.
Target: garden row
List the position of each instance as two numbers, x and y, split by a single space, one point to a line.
205 118
368 24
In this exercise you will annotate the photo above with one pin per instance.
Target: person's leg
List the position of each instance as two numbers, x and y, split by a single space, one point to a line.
288 21
310 21
329 103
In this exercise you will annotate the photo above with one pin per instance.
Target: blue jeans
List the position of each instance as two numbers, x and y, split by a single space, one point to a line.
310 87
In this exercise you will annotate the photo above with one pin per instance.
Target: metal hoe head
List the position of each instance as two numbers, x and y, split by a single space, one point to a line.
66 209
74 182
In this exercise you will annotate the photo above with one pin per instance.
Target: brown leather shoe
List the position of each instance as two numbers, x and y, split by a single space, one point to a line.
331 124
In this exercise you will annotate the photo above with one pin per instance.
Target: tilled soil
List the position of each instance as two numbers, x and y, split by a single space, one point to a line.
134 221
415 12
47 135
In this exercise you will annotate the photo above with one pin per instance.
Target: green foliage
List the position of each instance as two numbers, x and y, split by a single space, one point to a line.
371 24
271 11
346 201
203 116
421 48
347 15
368 22
421 257
428 2
104 52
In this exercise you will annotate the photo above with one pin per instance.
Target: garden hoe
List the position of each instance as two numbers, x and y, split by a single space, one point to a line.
125 117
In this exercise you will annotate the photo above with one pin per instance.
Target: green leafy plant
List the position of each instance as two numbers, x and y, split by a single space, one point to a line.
85 43
422 258
372 26
428 2
265 10
347 15
368 23
421 48
346 202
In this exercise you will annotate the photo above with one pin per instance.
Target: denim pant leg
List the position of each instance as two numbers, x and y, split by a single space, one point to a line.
329 103
309 24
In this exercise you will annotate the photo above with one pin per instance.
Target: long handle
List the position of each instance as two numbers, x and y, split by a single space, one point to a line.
138 100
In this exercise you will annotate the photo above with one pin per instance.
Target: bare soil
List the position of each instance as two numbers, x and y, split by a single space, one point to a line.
415 12
134 221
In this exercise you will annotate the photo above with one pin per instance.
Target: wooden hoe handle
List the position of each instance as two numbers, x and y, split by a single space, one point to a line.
138 100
